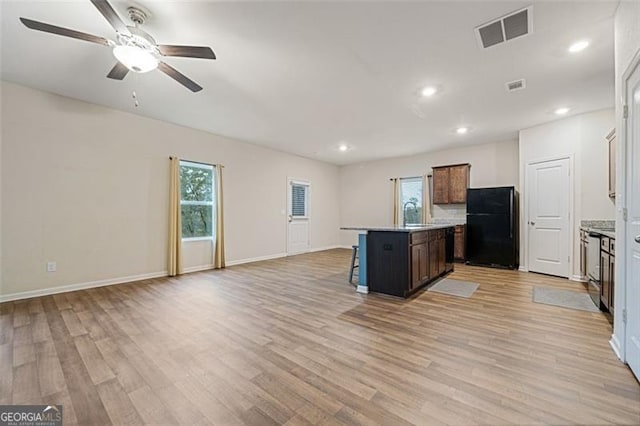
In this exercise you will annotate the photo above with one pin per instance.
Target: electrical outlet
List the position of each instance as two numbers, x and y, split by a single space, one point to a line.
51 266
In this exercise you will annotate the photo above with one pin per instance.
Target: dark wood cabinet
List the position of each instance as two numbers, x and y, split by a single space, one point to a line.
459 243
583 254
607 273
399 263
605 279
419 264
612 281
458 184
450 184
441 185
441 254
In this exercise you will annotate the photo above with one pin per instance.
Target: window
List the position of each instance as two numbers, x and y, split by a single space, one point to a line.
411 200
196 203
299 200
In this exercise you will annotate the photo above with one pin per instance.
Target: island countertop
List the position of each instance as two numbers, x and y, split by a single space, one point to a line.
409 228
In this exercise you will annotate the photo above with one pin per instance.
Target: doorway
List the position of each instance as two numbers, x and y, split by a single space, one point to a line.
631 266
548 216
298 217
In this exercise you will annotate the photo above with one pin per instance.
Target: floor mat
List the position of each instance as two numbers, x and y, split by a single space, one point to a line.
454 287
564 298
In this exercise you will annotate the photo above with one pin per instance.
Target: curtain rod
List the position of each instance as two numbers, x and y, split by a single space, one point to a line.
198 162
410 177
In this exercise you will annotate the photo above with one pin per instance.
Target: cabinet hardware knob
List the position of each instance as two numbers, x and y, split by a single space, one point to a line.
638 239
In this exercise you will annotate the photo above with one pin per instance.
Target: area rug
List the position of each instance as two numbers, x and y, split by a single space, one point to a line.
564 299
454 287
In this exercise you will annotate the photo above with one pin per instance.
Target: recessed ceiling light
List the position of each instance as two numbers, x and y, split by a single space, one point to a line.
578 46
561 111
429 91
462 130
343 148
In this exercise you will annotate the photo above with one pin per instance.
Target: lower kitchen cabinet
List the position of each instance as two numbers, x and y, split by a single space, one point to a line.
399 263
583 255
459 243
607 273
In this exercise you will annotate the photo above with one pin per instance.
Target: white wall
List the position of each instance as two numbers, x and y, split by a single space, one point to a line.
627 45
366 197
582 137
87 187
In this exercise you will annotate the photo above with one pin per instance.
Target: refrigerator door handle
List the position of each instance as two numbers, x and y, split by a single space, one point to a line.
511 216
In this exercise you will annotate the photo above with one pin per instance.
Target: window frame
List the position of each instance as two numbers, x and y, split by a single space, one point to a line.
307 186
420 204
211 203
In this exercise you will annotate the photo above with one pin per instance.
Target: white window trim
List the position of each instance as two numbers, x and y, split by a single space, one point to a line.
201 203
190 239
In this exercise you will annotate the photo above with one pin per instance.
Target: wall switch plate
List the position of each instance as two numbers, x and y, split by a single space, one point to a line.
51 266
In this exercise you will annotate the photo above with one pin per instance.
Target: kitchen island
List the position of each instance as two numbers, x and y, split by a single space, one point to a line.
400 260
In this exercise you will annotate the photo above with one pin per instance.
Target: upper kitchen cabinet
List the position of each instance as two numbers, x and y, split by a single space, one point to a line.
611 140
450 184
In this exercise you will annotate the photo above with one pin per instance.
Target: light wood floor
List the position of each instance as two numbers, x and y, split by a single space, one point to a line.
288 341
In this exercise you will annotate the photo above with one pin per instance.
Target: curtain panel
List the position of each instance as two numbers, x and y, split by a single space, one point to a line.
218 250
396 200
175 219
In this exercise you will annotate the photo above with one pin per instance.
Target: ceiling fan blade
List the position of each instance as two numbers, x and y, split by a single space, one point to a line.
110 15
187 51
179 77
48 28
118 72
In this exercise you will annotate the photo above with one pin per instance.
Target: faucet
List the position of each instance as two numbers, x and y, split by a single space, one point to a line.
404 212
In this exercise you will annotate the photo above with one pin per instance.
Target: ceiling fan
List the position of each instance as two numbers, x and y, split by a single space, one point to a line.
134 49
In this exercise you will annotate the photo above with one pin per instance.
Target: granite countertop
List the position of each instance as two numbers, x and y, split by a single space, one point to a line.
410 228
602 227
606 232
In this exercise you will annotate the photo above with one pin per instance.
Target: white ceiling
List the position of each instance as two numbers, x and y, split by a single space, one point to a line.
302 77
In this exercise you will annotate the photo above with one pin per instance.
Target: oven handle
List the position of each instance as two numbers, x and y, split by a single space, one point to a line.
593 234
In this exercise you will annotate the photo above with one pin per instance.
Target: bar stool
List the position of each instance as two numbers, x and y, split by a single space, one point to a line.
354 257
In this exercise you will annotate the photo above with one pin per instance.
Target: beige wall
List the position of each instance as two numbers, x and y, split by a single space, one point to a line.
583 138
627 45
366 197
86 186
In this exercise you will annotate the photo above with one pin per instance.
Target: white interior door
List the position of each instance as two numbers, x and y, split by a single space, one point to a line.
548 200
633 222
298 217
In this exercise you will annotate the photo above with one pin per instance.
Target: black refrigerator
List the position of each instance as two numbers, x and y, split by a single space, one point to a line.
492 227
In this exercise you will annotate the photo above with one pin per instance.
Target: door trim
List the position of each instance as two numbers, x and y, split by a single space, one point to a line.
525 205
619 337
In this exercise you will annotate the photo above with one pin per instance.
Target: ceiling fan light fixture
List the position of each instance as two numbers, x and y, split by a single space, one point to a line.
136 59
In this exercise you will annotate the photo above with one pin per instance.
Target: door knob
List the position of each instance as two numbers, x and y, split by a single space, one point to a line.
638 239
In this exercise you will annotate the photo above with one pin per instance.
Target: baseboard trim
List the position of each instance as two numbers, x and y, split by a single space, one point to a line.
578 278
523 269
80 286
325 248
132 278
615 345
256 259
197 269
363 289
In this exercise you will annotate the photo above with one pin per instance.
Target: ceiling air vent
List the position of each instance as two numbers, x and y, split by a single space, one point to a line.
515 85
506 28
